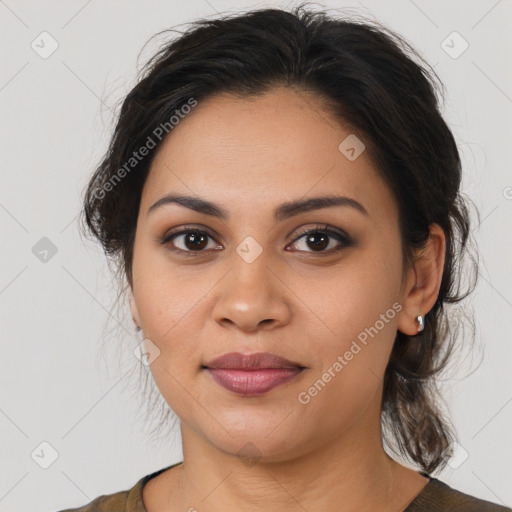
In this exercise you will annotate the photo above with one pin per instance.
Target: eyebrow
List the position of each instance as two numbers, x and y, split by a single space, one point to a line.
282 212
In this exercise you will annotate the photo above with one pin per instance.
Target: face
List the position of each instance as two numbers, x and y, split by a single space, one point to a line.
252 282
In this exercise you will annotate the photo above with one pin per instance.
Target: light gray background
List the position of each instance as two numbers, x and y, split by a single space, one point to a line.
56 115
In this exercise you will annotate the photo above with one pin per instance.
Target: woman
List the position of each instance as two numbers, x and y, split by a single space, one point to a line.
282 195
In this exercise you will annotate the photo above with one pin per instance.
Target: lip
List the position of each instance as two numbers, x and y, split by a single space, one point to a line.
256 361
253 382
252 374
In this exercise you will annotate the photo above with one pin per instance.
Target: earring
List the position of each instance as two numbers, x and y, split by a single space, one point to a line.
420 322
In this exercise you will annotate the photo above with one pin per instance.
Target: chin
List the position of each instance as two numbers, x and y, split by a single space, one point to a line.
255 442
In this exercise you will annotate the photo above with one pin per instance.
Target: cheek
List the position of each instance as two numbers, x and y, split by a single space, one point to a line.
358 309
164 293
168 306
169 312
351 297
169 316
348 379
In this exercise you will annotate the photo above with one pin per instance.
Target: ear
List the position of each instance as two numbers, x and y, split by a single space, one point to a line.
423 281
135 312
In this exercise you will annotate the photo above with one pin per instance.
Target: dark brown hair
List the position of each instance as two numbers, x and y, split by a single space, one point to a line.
373 82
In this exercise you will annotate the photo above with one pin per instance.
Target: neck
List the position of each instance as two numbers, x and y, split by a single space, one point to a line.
352 471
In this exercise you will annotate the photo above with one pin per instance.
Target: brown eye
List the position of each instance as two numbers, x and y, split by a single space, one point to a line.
187 240
195 241
318 239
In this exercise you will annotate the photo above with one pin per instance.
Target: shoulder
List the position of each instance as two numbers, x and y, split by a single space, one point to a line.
129 500
105 503
440 497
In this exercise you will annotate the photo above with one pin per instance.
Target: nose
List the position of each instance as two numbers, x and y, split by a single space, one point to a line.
252 297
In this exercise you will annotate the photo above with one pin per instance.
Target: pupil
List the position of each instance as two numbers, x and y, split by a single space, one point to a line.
197 241
322 243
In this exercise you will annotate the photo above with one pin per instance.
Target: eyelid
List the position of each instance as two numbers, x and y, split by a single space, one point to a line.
331 231
181 230
188 228
323 228
343 238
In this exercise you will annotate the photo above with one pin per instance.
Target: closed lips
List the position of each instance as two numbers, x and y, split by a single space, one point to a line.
256 361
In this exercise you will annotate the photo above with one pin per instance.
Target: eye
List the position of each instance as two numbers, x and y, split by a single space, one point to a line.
318 239
192 240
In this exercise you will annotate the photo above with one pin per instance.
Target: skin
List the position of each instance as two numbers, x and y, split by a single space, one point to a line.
250 156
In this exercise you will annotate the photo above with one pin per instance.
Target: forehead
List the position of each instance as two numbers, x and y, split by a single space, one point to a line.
261 151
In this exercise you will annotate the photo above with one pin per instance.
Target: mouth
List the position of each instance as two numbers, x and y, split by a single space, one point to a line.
252 374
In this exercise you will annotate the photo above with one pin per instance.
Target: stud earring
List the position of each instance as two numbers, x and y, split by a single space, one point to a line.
420 322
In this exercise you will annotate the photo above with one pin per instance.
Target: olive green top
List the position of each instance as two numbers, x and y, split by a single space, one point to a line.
435 497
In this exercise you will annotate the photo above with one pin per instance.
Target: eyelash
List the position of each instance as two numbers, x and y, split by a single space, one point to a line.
322 229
